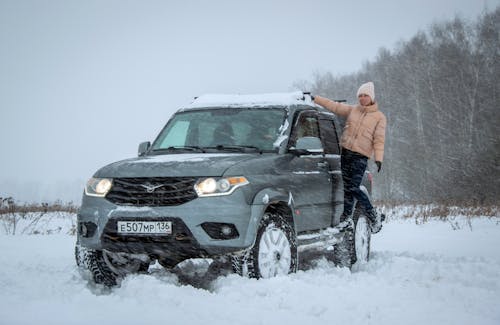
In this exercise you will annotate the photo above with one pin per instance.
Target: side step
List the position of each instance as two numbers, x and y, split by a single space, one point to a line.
322 240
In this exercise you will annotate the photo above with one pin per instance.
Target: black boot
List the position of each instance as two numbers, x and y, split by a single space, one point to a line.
345 222
375 221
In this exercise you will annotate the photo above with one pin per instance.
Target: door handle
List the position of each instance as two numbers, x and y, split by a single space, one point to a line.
323 164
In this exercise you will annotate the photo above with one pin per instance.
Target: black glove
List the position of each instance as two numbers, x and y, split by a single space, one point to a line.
379 166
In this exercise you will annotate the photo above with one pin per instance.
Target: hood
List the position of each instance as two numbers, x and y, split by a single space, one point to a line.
173 165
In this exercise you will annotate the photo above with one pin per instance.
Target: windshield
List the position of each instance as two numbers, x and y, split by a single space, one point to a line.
222 129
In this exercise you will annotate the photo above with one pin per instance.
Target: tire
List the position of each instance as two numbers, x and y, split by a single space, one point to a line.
362 239
168 263
273 253
106 267
343 252
355 246
80 256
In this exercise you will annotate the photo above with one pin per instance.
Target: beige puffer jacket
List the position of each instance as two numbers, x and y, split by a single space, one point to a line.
364 130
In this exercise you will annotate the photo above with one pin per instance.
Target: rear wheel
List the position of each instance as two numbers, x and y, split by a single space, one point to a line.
355 245
343 252
274 252
362 238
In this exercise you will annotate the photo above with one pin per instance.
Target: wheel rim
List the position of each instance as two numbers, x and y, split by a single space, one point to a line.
120 264
275 255
362 240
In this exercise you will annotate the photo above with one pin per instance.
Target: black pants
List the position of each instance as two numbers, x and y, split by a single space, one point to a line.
353 167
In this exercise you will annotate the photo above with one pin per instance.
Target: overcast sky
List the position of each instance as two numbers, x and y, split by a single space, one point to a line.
83 82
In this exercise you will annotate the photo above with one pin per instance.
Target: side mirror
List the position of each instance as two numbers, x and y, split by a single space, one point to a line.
143 148
308 146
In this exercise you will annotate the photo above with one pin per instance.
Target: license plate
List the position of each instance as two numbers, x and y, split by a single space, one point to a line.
145 227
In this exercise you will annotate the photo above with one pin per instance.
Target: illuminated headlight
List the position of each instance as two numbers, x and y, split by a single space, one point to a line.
218 186
98 186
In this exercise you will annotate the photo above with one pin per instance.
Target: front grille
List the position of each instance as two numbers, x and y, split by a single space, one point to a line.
158 191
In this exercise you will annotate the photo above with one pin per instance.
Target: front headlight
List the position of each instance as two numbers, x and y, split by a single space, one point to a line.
219 186
98 186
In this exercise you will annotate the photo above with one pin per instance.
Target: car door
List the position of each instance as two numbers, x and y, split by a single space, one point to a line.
331 143
310 180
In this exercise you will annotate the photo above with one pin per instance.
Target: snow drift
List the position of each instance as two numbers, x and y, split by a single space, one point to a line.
430 273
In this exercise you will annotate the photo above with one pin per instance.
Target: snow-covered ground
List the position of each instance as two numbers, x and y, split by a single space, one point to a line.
439 272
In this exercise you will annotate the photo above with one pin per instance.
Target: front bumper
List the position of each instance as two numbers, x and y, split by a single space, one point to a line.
192 226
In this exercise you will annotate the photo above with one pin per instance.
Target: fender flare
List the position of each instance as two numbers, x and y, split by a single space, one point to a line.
269 196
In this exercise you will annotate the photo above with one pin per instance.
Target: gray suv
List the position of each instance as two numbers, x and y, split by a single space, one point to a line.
253 179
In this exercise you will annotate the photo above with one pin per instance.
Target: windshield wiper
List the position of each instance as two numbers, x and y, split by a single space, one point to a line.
241 148
188 148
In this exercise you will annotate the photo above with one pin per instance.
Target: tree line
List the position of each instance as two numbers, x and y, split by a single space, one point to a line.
34 218
8 205
440 91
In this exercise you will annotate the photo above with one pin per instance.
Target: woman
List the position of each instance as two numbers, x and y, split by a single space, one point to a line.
363 137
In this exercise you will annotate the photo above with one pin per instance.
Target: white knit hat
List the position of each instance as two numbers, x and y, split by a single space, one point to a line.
367 89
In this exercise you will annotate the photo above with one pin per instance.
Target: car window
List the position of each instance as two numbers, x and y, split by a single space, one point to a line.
256 127
306 125
177 135
329 136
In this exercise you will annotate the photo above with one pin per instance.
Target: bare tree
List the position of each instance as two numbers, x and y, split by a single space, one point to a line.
440 92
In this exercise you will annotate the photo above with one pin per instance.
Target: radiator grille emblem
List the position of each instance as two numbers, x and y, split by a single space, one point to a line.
150 188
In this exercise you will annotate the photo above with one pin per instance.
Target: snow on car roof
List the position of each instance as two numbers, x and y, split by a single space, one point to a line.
237 100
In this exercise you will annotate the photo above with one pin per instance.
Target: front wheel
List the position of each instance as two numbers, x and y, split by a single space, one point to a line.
274 252
106 267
